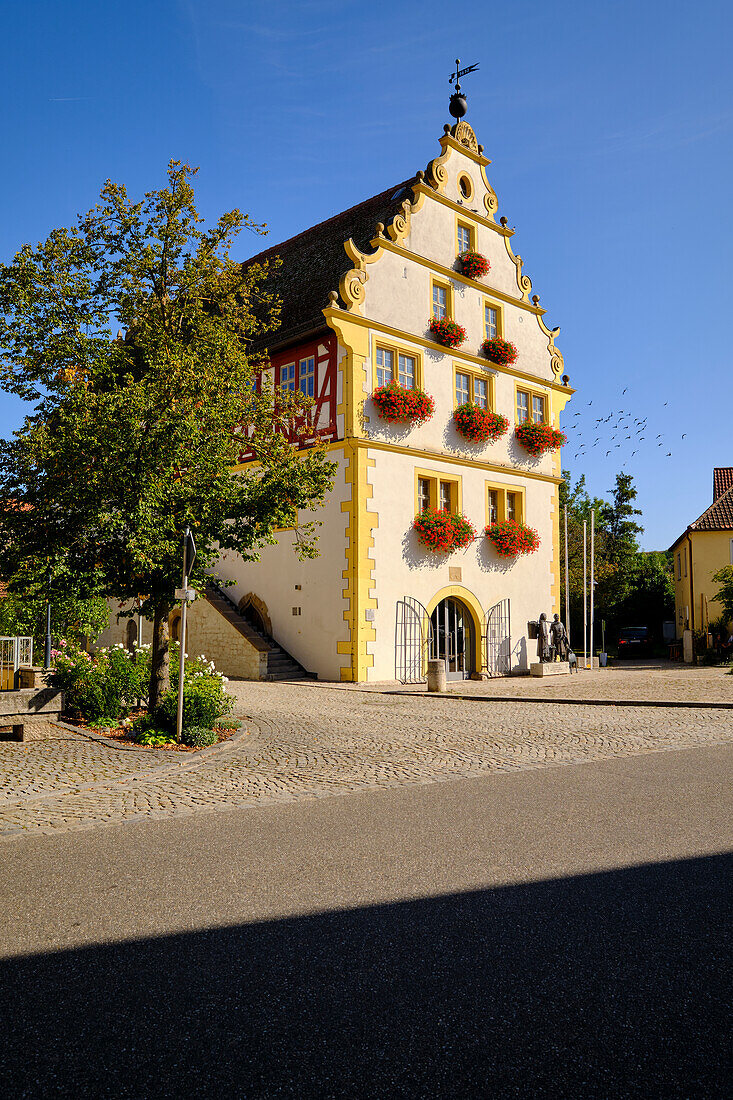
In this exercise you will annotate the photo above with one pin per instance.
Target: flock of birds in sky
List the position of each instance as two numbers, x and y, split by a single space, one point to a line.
619 430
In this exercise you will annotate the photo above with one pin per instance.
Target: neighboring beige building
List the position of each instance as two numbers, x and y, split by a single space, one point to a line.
358 291
700 551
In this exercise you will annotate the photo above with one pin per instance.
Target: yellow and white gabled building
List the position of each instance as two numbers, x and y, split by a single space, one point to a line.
358 291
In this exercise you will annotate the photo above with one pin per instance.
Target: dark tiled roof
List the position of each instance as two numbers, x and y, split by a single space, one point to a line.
719 516
314 261
722 480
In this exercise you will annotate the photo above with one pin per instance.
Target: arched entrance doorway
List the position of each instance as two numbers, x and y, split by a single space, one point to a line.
453 638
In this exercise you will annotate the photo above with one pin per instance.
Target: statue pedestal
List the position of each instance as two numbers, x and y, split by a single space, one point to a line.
552 668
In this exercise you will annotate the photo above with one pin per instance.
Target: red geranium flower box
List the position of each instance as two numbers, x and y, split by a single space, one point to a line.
478 425
538 438
443 532
500 351
399 405
474 265
511 538
447 332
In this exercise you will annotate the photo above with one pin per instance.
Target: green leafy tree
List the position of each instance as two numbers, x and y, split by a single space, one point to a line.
135 436
619 548
724 595
632 586
79 619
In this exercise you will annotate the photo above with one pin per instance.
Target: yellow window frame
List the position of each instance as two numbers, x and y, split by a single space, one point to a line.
501 491
521 388
459 368
396 352
450 314
434 477
488 304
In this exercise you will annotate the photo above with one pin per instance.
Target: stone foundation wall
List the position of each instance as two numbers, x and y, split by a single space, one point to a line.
209 633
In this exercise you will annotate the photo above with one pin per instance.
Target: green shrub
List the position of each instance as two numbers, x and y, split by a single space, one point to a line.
198 737
228 724
156 737
145 732
205 700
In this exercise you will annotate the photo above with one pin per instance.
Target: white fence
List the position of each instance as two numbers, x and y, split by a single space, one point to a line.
15 653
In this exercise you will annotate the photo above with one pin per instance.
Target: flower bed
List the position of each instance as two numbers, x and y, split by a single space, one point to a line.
447 332
478 425
474 265
538 438
511 538
443 532
500 351
399 405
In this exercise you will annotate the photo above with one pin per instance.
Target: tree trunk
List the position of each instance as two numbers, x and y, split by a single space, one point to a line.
160 662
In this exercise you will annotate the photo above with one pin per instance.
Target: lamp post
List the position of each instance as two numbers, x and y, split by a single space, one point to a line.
47 647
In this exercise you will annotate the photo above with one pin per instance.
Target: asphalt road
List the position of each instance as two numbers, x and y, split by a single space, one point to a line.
554 932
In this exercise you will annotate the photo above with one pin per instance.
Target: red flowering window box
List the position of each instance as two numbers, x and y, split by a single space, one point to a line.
478 425
400 405
500 351
510 538
447 332
538 438
443 532
474 265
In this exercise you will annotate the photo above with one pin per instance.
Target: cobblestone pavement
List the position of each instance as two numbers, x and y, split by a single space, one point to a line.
633 681
314 740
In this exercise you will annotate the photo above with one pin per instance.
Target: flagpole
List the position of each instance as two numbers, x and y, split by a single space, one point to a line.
567 579
585 591
592 579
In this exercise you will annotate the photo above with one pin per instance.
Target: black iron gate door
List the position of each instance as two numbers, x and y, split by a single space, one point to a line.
498 639
413 634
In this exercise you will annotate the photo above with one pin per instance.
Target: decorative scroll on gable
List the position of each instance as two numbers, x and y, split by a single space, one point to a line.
310 368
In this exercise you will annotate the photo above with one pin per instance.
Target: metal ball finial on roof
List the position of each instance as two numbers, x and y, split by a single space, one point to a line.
458 104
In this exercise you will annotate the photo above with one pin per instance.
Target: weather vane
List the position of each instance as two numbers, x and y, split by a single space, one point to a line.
458 105
461 72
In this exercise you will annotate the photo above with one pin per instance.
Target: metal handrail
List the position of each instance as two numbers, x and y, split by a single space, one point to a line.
15 652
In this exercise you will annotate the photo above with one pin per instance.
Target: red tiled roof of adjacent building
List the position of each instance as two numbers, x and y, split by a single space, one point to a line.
719 516
722 480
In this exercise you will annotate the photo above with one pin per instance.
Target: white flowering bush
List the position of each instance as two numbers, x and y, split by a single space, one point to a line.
205 698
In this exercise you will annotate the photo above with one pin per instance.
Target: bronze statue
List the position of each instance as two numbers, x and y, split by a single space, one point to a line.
543 640
558 640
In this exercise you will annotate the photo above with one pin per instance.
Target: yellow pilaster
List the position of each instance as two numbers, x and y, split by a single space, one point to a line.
360 522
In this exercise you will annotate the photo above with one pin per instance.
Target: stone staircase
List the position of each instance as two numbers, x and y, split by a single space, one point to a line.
280 665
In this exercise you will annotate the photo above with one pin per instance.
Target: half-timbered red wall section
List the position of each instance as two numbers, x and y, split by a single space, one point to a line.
311 368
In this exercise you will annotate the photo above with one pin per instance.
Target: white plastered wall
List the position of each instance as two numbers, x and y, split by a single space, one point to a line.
311 637
405 568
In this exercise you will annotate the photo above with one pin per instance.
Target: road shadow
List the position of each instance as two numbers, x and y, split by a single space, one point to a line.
603 985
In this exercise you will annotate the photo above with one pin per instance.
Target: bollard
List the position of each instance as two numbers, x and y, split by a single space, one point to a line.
436 675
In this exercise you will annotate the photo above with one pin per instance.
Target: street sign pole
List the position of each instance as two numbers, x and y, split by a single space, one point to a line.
189 556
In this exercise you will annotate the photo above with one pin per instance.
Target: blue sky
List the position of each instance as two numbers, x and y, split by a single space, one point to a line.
609 126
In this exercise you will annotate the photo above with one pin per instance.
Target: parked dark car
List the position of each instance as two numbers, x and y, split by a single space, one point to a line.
634 641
